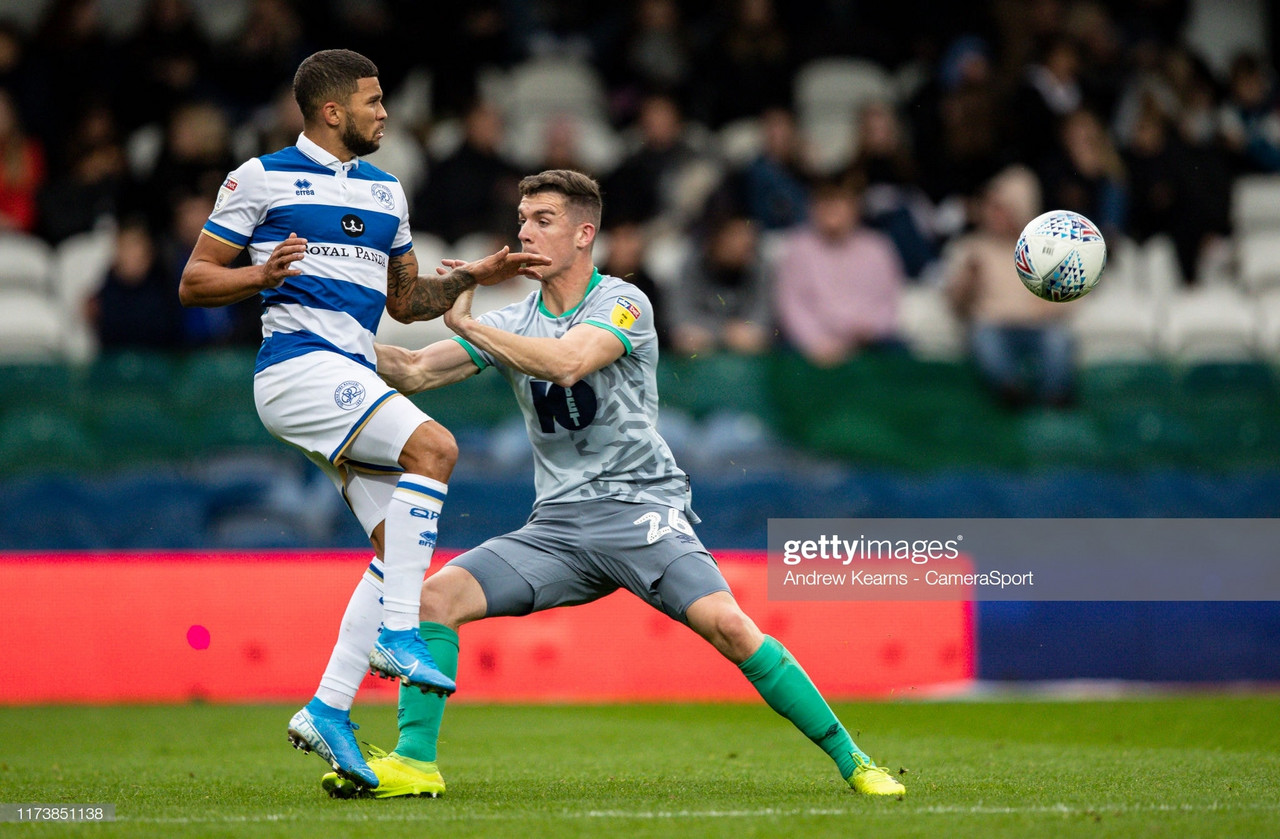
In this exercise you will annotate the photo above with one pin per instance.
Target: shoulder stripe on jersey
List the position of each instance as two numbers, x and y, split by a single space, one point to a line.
626 342
322 223
224 234
368 172
363 304
293 160
282 346
471 351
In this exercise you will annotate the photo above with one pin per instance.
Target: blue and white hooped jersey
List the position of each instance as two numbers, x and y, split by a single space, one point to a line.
354 217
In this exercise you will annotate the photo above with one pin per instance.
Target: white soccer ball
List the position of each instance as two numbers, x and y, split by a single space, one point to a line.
1060 256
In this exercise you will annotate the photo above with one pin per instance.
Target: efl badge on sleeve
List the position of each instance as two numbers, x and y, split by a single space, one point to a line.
625 313
228 187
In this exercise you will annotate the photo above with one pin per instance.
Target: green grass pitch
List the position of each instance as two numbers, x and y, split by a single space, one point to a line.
1184 766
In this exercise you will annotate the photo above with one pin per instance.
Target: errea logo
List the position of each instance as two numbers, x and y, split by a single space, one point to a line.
304 187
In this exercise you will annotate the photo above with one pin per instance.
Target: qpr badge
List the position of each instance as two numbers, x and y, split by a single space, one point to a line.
349 395
382 194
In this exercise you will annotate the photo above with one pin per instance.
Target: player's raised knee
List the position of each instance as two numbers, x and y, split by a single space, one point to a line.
431 450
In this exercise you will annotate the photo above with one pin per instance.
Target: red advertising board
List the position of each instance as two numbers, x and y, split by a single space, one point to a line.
250 626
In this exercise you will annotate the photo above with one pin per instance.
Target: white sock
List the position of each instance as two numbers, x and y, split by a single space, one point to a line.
410 539
359 630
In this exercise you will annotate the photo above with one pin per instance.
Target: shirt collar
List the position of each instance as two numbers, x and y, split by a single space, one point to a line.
324 158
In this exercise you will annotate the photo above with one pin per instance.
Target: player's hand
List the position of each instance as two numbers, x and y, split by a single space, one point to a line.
460 312
447 265
280 265
504 265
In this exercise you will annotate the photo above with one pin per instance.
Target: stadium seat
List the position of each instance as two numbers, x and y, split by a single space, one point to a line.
1216 323
446 138
1255 203
25 262
412 336
666 257
475 246
32 326
430 249
1158 270
928 325
1258 257
1268 306
1123 264
213 378
839 86
37 439
81 263
401 155
598 147
1115 323
829 143
740 141
547 86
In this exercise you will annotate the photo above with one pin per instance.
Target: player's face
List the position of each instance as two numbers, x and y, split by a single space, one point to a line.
548 228
364 118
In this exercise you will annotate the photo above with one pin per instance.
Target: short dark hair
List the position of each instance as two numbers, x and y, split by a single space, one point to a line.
329 76
581 192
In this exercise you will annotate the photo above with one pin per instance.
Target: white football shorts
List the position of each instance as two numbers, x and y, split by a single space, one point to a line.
346 420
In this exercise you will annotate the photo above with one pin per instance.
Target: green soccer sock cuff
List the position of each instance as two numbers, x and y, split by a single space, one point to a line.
420 714
787 689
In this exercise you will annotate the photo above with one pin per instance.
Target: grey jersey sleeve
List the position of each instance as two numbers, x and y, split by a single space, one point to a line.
504 319
628 314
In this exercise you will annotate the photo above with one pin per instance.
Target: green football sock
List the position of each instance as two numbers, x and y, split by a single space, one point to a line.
420 713
789 691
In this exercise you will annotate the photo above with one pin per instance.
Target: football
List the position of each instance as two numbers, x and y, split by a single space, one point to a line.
1060 256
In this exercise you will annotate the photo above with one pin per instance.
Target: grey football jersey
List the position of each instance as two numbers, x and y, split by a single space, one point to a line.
599 438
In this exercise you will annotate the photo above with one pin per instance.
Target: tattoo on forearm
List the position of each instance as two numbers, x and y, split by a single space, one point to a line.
426 298
402 276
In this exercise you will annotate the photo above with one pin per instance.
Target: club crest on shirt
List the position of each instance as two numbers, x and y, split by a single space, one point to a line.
349 395
625 313
383 196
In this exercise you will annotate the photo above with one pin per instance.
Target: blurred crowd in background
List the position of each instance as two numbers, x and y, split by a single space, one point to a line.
774 173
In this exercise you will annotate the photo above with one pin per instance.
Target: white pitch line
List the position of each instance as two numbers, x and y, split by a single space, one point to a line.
433 814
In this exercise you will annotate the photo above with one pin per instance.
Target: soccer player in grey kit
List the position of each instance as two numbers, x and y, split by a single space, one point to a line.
612 508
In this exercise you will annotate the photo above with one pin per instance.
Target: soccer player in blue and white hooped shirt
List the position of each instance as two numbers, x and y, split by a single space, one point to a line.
328 237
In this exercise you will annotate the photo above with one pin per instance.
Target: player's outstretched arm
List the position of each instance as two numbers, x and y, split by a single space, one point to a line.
411 297
207 281
433 366
563 361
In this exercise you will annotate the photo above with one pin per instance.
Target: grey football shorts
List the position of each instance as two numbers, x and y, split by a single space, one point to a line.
573 553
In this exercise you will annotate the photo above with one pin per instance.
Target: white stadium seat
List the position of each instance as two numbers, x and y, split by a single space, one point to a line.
402 156
1258 258
666 257
1116 323
1268 306
81 263
31 326
740 141
1255 203
25 262
840 86
1217 323
927 324
548 86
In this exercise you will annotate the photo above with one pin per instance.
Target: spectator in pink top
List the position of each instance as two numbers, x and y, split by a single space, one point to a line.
838 282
